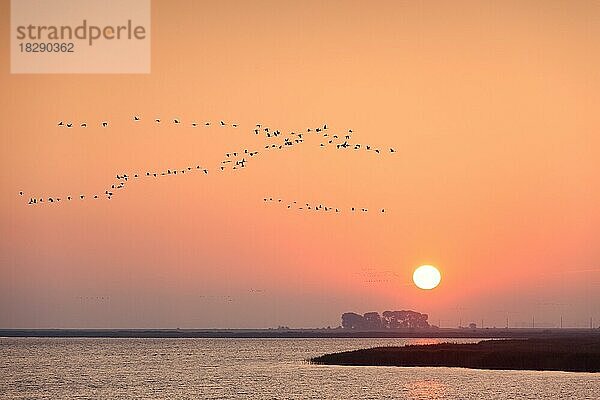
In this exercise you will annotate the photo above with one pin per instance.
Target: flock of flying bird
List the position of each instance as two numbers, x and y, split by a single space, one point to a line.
234 160
315 207
377 276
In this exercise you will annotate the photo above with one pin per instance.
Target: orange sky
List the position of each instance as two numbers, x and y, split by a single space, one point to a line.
492 108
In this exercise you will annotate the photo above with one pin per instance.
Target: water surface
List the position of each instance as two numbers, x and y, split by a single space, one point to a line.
79 368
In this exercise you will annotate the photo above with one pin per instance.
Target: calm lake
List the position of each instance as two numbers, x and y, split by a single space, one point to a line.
68 368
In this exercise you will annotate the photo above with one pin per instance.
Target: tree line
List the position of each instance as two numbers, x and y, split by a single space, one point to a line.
387 320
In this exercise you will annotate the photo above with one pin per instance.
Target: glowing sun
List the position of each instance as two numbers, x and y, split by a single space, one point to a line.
427 277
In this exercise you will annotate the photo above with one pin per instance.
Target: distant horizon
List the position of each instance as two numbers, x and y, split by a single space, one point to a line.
433 327
433 324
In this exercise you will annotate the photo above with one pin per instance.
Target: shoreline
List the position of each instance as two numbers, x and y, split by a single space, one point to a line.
569 354
450 333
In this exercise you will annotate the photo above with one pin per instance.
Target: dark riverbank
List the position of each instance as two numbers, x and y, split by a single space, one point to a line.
575 354
486 333
296 333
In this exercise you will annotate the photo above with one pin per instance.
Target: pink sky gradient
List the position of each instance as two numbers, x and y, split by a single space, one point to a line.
493 111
